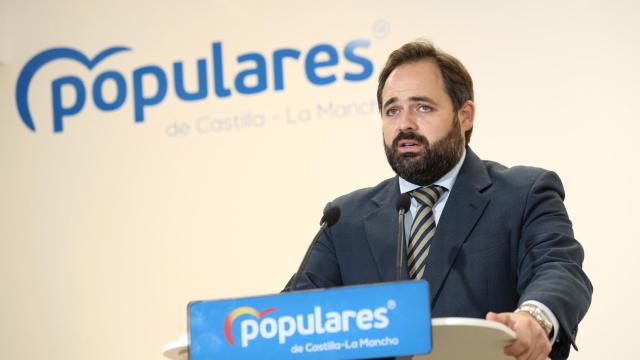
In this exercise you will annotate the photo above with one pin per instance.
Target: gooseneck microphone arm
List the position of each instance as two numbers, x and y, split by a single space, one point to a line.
330 216
402 205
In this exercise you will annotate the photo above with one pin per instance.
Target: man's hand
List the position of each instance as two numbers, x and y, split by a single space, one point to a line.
531 341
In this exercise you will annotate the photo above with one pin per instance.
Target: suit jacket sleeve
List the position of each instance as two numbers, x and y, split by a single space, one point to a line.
322 270
550 264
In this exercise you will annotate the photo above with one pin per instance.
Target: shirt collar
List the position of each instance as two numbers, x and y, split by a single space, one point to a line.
446 181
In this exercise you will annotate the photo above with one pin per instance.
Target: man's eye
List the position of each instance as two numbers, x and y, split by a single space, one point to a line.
392 112
424 108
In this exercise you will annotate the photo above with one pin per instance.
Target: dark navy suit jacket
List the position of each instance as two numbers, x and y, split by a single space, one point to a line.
503 237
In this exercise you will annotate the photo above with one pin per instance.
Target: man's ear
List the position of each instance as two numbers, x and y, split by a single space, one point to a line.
466 115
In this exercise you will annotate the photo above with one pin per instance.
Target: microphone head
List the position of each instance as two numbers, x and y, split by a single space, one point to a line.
403 202
330 216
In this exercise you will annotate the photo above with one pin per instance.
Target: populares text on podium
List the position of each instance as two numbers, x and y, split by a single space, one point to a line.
358 322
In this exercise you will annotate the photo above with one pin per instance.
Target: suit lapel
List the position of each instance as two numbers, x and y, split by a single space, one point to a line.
381 227
465 205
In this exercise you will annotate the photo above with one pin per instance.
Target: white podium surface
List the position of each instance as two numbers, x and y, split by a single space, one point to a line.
177 350
453 338
467 338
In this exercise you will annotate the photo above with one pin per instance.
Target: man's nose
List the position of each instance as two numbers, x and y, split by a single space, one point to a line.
407 121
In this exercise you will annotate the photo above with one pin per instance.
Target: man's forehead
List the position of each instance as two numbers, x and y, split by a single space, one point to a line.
413 80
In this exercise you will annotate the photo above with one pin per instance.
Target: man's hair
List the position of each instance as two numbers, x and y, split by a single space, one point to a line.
457 81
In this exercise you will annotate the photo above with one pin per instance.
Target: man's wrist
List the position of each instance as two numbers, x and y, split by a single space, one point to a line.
539 315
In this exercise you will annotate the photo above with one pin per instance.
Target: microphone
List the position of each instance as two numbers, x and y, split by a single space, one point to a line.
402 205
330 216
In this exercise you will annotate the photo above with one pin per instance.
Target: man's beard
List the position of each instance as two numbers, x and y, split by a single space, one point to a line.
432 162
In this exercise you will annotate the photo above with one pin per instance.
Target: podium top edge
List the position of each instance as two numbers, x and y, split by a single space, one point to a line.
473 322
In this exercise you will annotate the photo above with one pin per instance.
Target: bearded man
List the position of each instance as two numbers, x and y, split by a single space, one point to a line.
493 242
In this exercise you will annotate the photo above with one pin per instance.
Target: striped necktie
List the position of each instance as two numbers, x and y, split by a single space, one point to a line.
423 229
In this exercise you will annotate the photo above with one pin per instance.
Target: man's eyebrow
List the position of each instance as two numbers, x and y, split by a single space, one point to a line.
389 102
422 98
412 98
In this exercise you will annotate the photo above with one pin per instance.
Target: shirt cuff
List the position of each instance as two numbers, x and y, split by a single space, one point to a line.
550 315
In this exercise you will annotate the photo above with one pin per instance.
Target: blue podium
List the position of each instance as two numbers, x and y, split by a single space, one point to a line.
358 322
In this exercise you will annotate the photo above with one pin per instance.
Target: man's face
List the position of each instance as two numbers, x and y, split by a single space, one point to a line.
423 136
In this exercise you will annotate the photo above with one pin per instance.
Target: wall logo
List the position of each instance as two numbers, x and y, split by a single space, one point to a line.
314 323
319 62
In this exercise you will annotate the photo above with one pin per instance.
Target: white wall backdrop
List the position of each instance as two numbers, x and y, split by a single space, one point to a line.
110 227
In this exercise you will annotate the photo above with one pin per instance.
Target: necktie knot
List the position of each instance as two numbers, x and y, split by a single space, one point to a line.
428 195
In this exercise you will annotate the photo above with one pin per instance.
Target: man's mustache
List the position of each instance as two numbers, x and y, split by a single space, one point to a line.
409 135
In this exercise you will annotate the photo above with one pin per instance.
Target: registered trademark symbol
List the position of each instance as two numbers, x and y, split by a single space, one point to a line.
391 304
381 29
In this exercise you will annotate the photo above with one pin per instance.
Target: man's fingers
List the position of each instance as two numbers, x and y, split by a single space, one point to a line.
503 318
519 346
531 342
519 349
